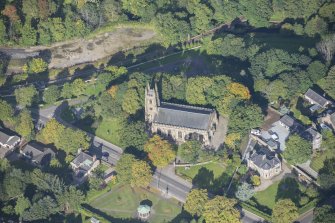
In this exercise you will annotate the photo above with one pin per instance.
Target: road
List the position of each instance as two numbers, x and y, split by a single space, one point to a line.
306 217
249 217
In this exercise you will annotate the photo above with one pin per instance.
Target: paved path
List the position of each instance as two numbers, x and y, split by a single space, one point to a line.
249 217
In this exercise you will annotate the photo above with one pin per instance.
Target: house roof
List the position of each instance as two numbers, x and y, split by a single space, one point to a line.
184 116
264 158
287 120
37 153
332 119
310 134
317 98
83 161
8 139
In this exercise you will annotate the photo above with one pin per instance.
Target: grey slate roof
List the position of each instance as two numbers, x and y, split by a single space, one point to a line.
8 139
310 134
317 98
37 153
264 158
332 118
287 120
84 161
184 116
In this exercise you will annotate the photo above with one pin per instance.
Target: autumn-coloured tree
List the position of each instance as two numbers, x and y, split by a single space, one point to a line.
11 12
160 151
239 90
195 201
141 174
113 90
232 139
284 211
221 210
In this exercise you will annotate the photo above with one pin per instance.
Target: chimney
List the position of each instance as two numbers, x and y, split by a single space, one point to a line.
79 151
263 157
94 158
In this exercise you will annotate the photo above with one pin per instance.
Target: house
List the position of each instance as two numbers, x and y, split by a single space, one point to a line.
287 122
83 165
263 160
37 154
316 99
313 136
328 119
179 122
8 143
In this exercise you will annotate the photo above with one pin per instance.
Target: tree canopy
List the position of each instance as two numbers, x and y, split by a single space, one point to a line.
284 211
160 151
298 150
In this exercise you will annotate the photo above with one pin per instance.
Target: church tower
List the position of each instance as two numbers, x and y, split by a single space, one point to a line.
151 103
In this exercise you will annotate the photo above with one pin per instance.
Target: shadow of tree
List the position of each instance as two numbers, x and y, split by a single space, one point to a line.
204 178
288 188
109 218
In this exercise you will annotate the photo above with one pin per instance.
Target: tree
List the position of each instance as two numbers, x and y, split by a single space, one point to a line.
327 174
160 151
132 135
78 87
324 214
316 71
66 91
29 35
141 174
239 91
230 45
22 204
51 94
221 210
284 211
244 192
70 199
11 12
124 168
328 82
195 201
173 87
232 139
298 150
135 7
26 96
131 101
245 117
316 25
255 180
6 111
258 12
25 125
328 140
195 90
37 65
42 209
327 11
3 35
189 151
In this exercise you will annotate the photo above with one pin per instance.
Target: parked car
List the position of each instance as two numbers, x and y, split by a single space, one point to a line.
256 132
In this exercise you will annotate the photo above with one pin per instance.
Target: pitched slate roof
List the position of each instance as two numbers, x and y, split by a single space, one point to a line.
183 116
264 158
83 161
317 98
8 139
310 134
37 153
287 120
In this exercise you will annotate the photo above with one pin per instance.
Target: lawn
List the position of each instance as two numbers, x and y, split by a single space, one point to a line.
317 161
216 168
108 130
287 188
122 202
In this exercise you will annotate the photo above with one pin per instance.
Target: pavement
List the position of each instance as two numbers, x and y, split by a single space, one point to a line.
306 217
249 217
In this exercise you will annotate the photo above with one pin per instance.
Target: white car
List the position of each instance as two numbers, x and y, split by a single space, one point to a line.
256 132
274 136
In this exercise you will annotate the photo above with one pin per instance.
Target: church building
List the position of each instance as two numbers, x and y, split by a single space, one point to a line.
179 122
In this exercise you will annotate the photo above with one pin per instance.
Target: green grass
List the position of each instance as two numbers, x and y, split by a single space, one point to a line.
317 161
190 173
108 130
268 196
122 202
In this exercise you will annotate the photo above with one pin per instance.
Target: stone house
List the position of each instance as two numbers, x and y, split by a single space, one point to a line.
262 159
37 154
313 136
83 165
8 142
179 122
316 99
